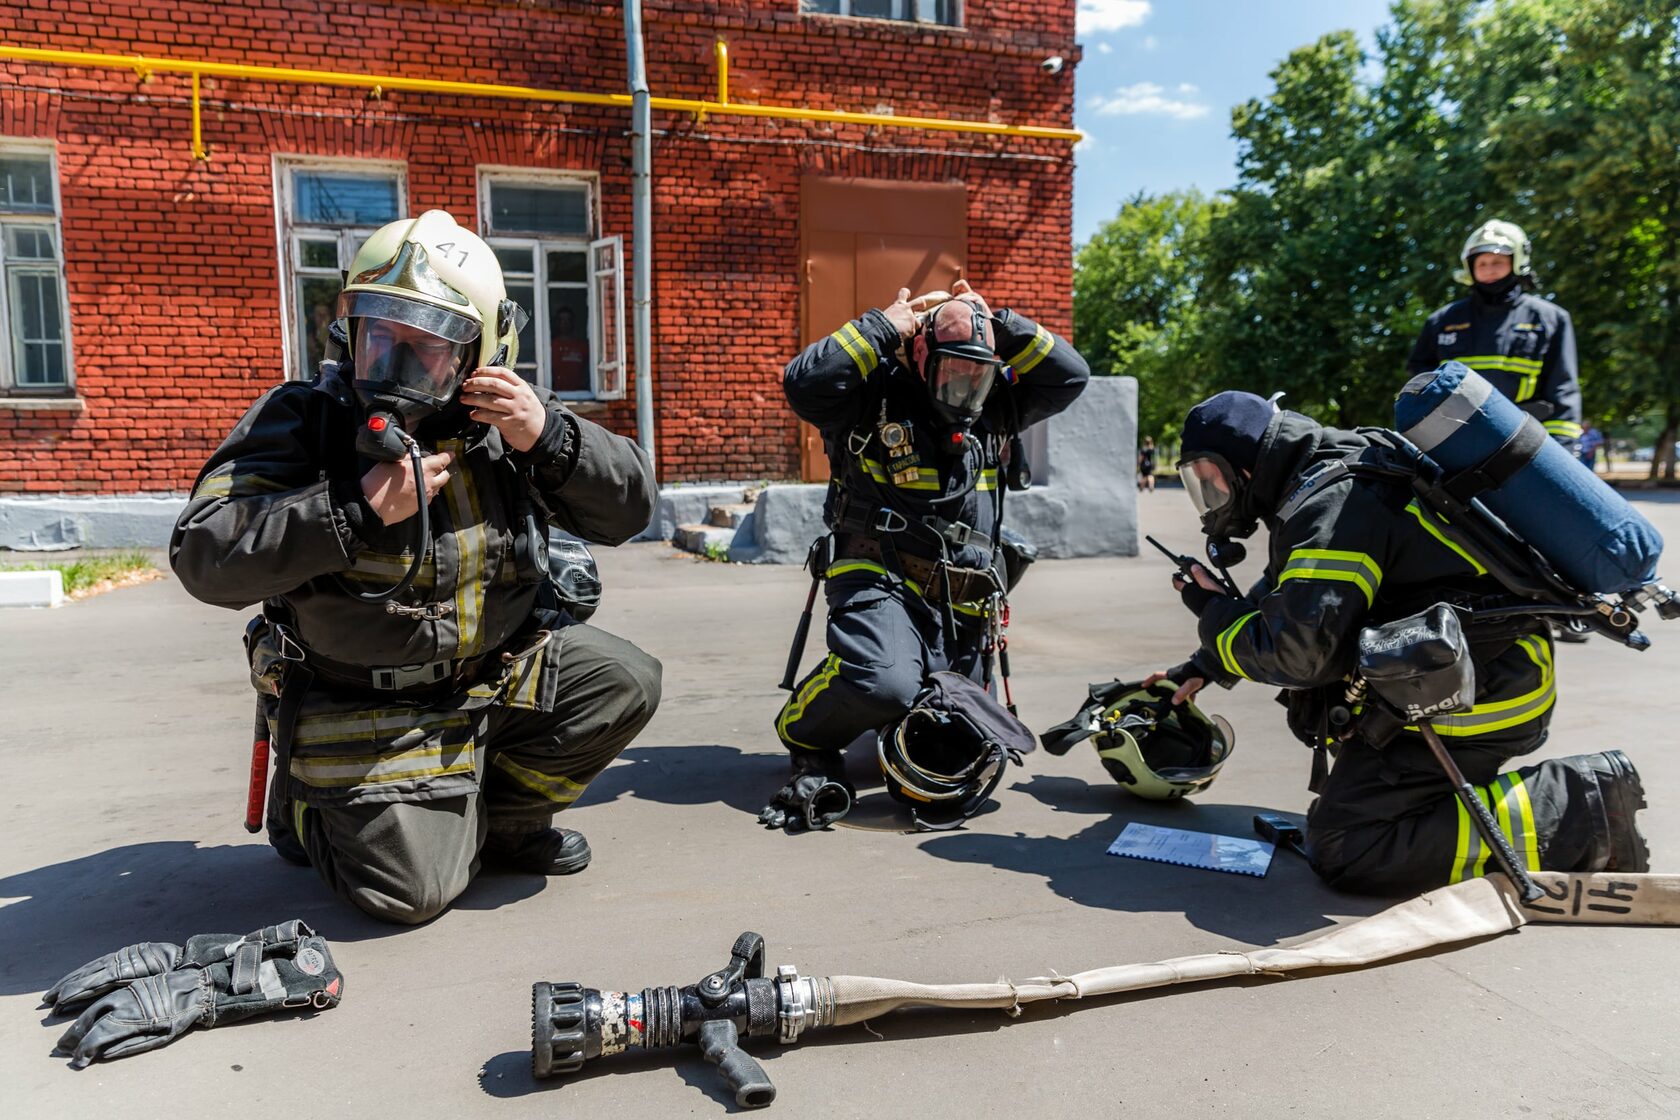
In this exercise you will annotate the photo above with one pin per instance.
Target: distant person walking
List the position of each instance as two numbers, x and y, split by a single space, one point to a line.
1591 440
1146 465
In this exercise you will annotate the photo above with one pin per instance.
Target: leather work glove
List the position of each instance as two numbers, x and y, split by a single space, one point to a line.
147 995
812 799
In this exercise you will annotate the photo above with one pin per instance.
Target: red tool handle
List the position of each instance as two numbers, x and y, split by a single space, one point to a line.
256 796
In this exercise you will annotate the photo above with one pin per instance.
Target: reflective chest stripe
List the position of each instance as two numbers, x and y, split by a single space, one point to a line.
926 477
1563 429
471 548
1526 370
228 481
1356 568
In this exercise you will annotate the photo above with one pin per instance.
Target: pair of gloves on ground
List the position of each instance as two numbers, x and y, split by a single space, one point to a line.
147 995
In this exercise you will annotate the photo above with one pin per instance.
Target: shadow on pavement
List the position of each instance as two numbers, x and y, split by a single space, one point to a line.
1287 902
690 775
66 914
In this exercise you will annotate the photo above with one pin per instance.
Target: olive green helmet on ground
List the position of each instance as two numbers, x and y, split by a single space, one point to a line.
1157 749
1496 236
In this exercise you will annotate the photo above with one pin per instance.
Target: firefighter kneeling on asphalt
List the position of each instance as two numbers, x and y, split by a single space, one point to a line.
1357 551
434 702
920 406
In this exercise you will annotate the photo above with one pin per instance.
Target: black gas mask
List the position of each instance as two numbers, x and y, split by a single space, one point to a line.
1216 490
953 351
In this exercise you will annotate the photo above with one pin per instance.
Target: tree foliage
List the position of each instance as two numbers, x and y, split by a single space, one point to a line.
1358 178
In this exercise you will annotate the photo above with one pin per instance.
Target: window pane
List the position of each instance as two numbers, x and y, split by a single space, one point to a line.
37 327
317 305
937 11
879 9
567 267
26 184
568 332
515 260
516 208
832 7
524 295
30 243
319 254
337 198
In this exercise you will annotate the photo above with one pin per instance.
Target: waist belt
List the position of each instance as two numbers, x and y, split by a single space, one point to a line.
939 582
432 678
871 519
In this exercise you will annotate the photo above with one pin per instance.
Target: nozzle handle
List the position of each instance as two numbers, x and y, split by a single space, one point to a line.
720 1045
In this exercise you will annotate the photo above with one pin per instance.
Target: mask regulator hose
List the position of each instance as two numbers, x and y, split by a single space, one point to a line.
571 1024
382 438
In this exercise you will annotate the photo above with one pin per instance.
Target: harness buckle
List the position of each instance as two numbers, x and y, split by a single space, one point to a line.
858 440
957 532
889 520
398 677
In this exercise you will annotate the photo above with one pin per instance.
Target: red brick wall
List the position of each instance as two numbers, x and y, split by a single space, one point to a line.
172 263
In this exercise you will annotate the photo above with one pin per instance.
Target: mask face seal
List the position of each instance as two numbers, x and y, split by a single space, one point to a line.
1213 487
958 363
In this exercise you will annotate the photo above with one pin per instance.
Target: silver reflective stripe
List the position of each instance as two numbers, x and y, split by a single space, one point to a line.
1451 414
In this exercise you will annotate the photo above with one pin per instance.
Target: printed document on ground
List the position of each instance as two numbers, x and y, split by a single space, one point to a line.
1237 855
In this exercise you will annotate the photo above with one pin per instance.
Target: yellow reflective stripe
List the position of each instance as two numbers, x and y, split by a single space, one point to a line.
225 482
1434 527
1568 429
1227 656
329 771
383 568
988 480
926 477
1468 842
1530 847
795 706
1500 715
853 342
374 725
1331 564
1033 352
1508 363
556 787
471 546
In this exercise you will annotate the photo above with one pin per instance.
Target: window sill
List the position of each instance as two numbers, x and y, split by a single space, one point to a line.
41 404
885 21
586 407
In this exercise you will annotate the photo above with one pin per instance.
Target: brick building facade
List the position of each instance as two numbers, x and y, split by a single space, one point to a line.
191 285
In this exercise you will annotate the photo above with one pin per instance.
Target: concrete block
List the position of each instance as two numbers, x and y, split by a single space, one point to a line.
729 516
705 540
32 589
687 505
785 520
60 523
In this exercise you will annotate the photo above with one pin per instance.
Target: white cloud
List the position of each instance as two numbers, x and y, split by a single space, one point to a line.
1150 42
1149 99
1186 87
1104 48
1085 143
1097 16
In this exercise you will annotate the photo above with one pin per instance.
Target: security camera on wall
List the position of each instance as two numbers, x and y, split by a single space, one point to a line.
1052 65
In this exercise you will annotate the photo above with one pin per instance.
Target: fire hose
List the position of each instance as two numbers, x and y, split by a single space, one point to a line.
571 1024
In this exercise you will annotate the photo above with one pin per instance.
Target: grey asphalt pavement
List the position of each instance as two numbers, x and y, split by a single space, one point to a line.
124 724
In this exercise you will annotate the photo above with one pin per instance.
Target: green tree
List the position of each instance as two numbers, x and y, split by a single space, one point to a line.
1134 303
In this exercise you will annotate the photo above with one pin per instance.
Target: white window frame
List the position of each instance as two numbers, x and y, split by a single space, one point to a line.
903 11
10 359
291 234
601 366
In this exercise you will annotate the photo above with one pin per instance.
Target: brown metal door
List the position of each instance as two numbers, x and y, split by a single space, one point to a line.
862 240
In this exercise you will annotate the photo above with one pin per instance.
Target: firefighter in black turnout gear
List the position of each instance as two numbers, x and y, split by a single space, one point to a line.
1523 345
920 406
432 700
1350 550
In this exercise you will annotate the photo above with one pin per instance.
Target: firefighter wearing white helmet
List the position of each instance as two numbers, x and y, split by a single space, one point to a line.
1523 344
422 729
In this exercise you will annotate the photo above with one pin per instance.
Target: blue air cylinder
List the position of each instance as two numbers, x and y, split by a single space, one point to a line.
1588 532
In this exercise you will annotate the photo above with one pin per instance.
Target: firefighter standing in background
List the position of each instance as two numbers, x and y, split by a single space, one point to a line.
1521 343
431 726
1347 551
920 412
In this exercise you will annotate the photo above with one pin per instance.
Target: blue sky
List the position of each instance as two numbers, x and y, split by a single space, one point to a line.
1159 78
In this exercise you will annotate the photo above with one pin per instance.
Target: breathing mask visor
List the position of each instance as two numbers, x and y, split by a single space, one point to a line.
410 358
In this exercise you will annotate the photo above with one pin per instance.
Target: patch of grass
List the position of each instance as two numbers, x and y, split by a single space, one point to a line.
718 552
88 571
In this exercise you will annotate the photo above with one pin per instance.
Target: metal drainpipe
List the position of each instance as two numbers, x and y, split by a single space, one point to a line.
641 236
